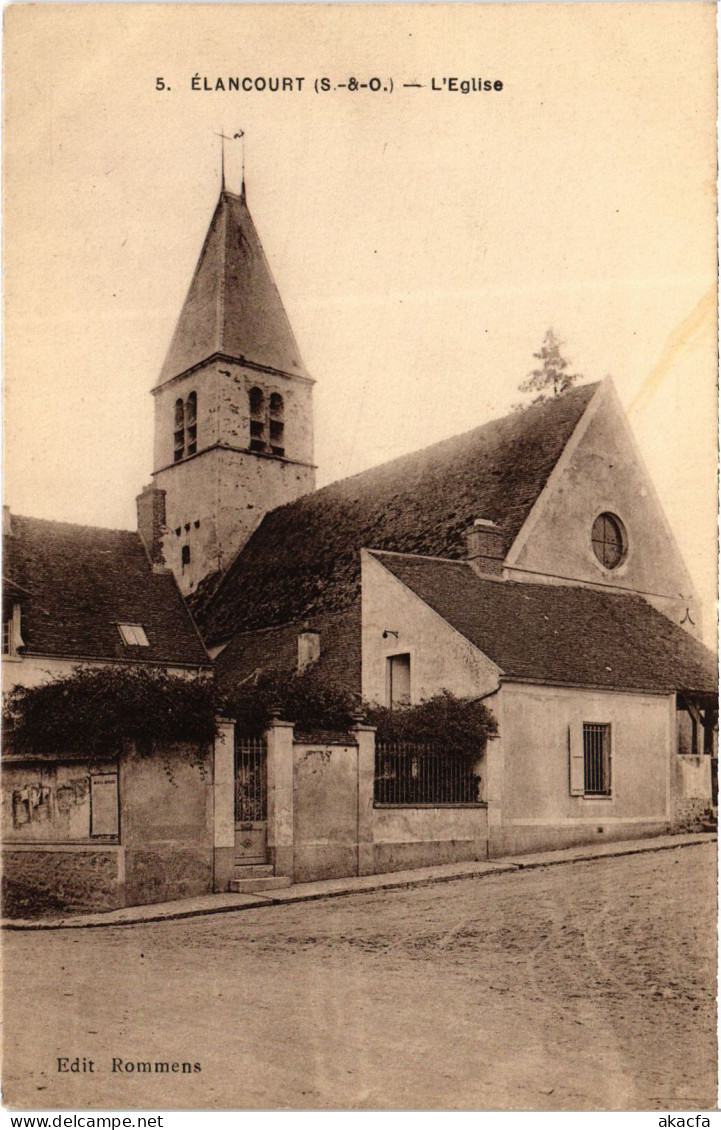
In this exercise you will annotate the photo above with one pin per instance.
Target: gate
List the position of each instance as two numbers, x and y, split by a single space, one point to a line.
251 799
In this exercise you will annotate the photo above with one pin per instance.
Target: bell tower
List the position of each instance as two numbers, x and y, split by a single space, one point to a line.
233 405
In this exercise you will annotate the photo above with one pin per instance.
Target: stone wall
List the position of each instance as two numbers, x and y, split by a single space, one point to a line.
690 788
161 847
47 879
167 824
323 822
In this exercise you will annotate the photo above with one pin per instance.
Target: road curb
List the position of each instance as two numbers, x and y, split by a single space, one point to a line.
389 882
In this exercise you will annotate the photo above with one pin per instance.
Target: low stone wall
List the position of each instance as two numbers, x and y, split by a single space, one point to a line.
162 843
42 879
405 837
325 811
690 788
515 839
166 824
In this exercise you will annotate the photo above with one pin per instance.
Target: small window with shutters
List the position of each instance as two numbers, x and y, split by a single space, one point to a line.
590 759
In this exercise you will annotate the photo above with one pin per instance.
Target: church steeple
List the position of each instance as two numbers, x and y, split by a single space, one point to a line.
233 405
233 306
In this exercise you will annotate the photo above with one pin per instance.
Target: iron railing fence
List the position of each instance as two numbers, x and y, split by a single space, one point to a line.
413 773
251 793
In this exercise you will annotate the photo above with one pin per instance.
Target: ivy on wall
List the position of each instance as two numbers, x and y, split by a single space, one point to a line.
95 709
457 727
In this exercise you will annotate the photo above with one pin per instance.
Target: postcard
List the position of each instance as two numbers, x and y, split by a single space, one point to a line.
359 570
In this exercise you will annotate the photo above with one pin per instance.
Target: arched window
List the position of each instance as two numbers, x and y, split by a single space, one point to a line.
277 425
185 432
256 400
179 432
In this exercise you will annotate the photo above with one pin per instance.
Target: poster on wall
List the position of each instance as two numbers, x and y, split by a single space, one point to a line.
368 353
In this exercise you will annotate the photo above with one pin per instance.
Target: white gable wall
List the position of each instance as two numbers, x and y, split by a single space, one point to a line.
441 658
601 470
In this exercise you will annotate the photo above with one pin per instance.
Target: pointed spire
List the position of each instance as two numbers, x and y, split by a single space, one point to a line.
233 306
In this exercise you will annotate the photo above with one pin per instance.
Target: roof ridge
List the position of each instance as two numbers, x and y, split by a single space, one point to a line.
303 556
420 556
72 525
409 455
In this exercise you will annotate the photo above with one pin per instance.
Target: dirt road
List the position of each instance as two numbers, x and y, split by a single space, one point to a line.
584 986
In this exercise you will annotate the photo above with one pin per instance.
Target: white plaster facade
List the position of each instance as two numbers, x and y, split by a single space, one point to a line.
440 657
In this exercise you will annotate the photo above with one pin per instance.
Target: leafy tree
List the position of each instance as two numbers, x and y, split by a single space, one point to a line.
552 377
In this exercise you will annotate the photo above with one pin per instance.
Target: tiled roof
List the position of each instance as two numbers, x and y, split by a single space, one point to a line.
276 649
304 557
560 633
232 306
75 584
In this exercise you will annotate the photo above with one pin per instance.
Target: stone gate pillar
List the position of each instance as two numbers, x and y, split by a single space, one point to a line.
365 736
280 796
223 803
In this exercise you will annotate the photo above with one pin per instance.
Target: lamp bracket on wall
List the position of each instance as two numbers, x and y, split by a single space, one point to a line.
387 632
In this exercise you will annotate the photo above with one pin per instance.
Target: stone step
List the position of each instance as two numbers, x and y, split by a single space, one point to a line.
251 870
259 884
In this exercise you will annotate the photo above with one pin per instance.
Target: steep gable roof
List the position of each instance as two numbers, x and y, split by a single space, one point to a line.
304 557
233 306
75 584
560 633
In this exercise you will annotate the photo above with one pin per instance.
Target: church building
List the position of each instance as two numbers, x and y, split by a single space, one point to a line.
526 563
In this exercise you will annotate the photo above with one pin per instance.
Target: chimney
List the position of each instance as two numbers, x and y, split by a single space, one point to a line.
7 522
308 648
485 549
151 524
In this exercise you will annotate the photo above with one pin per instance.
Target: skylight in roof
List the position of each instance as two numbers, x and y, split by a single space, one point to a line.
133 635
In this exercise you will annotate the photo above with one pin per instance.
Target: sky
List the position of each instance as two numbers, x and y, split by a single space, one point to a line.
423 240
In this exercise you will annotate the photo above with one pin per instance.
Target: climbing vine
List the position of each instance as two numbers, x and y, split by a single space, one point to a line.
95 709
457 727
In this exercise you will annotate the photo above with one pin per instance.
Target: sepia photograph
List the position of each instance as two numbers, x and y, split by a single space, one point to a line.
360 692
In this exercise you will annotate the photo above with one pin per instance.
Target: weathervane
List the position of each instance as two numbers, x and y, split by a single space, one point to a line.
238 151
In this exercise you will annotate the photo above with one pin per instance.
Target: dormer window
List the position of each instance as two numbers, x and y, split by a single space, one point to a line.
256 403
133 635
277 424
185 433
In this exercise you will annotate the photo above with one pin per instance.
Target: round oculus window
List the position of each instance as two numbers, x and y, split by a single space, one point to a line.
609 541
